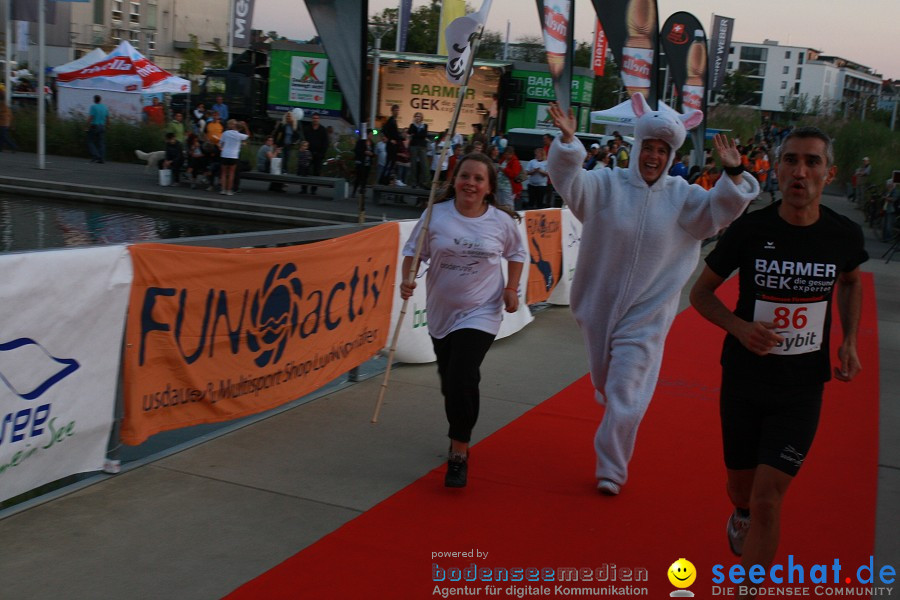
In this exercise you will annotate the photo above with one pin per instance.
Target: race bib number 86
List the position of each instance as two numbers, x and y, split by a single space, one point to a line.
801 325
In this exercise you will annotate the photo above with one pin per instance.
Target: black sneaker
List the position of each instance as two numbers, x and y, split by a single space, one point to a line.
457 470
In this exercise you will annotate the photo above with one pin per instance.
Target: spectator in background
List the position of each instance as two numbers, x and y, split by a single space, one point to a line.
861 176
176 126
708 177
174 158
6 125
537 180
154 114
196 160
317 136
304 160
98 119
230 143
478 135
199 118
221 108
214 129
363 154
391 131
418 151
381 156
590 161
264 157
680 168
509 188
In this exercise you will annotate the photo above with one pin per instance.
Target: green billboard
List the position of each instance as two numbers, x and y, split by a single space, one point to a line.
303 79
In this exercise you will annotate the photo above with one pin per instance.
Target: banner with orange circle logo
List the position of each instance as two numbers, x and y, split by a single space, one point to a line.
216 334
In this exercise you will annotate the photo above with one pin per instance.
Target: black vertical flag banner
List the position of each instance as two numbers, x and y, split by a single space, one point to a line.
683 40
342 27
631 28
558 29
720 43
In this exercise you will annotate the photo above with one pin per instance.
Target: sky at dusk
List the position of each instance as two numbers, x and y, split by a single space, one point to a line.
863 31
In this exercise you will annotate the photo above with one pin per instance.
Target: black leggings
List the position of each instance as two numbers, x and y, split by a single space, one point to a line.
459 357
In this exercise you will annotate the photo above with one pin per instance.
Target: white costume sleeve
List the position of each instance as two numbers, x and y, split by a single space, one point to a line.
582 190
705 213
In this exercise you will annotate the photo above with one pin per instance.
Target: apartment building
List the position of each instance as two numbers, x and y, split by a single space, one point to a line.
159 29
802 79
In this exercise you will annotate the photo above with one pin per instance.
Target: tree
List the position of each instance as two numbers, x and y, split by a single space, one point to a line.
795 106
584 55
423 27
531 49
737 89
219 59
192 61
607 87
491 46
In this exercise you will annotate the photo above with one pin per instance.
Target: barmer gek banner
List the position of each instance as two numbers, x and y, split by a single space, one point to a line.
216 334
631 29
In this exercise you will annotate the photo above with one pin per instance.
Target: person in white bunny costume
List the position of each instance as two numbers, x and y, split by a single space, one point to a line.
642 231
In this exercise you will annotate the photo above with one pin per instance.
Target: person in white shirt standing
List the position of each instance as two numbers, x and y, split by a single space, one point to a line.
468 235
230 143
537 179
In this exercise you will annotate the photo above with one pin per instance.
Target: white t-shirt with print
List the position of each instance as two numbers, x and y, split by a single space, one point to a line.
464 278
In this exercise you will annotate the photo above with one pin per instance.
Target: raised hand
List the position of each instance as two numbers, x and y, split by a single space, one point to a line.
565 122
727 150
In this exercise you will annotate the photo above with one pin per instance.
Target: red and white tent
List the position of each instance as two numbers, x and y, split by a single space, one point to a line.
122 79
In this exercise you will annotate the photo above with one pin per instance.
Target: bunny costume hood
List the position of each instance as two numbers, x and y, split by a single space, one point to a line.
665 124
639 246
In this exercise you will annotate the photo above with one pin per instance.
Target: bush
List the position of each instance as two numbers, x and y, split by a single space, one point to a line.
68 137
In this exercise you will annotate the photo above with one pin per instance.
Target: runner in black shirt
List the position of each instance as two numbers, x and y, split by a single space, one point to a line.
791 256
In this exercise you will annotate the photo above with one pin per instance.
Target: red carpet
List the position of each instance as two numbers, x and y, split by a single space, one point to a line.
531 501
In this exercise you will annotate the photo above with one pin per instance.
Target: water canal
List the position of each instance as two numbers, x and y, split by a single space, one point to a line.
38 224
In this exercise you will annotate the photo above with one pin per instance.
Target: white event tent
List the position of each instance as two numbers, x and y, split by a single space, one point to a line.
121 78
87 60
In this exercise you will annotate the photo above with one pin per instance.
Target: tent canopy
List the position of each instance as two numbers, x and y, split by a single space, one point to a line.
87 60
124 70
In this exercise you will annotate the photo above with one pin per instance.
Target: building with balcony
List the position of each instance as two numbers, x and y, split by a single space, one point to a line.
801 79
159 29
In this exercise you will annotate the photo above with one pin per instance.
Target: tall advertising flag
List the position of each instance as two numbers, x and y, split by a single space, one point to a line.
558 26
451 10
684 42
403 24
241 22
631 28
459 35
341 25
599 54
720 43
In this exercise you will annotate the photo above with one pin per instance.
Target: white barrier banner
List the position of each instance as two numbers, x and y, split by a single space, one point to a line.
60 343
414 344
571 242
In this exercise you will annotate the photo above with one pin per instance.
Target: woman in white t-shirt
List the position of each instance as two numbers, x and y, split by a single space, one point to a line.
466 238
230 143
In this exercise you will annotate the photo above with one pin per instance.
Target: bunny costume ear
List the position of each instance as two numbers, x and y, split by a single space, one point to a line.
665 124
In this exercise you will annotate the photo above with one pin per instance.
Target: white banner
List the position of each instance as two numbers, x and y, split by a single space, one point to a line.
60 343
414 344
309 78
571 242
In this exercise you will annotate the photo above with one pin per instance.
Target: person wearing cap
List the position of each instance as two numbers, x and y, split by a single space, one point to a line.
590 161
641 237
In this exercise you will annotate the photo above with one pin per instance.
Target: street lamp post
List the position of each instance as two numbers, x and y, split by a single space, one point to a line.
379 30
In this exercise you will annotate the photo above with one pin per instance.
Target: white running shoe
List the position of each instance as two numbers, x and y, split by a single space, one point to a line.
608 487
737 529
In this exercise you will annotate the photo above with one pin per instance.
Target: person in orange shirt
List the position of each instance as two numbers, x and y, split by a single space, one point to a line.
760 168
708 178
154 113
214 129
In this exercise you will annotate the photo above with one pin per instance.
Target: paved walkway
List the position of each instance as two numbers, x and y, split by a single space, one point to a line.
199 522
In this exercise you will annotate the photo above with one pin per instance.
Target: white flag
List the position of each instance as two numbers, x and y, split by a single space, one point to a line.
459 35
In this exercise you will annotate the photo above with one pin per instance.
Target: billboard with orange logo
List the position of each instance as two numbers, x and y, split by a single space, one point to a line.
216 334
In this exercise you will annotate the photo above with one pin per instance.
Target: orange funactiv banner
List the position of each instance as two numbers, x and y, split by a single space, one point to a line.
216 334
544 229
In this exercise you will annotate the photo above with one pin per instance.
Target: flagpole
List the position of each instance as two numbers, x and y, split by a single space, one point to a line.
42 107
420 241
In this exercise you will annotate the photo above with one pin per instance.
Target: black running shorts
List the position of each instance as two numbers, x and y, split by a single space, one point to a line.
766 424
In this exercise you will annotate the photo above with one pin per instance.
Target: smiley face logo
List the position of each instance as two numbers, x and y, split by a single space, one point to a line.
682 573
